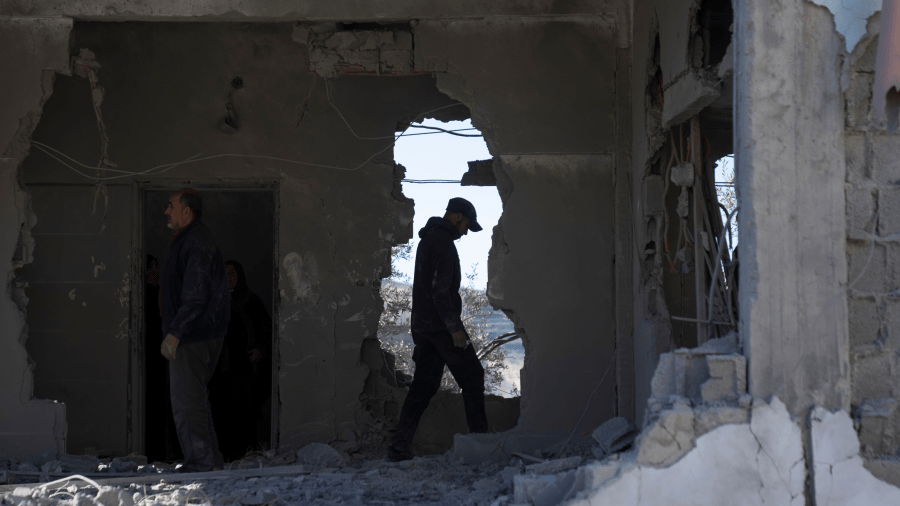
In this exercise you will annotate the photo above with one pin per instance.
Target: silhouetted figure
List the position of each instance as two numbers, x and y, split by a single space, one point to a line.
196 308
437 328
242 382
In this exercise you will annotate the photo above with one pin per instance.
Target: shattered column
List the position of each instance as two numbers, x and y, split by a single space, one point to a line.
33 49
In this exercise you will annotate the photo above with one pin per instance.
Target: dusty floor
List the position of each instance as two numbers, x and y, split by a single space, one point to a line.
423 480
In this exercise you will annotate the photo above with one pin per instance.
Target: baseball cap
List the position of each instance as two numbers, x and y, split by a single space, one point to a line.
463 206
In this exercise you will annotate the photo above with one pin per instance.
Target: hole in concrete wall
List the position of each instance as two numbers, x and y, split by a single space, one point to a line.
725 191
435 163
714 21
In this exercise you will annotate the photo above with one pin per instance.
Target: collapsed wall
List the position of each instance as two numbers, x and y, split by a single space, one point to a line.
36 48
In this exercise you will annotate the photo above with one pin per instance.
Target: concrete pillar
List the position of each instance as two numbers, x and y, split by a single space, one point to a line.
29 429
789 147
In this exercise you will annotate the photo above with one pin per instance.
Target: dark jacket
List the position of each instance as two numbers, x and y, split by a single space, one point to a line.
194 297
436 304
250 328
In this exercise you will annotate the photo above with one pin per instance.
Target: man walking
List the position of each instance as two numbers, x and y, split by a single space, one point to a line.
195 307
437 328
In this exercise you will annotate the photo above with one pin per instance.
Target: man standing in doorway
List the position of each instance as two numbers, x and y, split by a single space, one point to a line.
437 327
196 308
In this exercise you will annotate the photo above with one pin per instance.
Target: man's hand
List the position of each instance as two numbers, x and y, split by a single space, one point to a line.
460 339
169 346
254 356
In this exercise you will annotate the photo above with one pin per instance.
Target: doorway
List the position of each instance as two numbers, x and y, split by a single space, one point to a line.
244 223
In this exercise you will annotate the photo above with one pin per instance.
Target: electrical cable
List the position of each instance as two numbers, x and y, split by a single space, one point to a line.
451 132
169 166
445 131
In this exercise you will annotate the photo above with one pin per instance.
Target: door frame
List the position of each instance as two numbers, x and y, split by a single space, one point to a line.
135 429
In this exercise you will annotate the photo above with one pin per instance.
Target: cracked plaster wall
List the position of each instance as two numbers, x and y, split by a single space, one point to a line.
336 227
35 48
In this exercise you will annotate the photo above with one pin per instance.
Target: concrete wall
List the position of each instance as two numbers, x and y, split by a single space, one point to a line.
789 150
29 428
873 253
554 134
163 104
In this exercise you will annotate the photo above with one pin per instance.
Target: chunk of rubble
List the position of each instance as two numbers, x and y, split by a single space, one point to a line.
613 436
320 455
554 466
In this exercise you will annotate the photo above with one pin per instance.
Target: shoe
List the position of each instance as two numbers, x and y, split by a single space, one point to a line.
394 455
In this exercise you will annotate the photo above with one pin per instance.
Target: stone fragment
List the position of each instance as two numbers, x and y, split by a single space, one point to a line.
555 492
113 496
259 498
319 455
727 377
54 466
615 434
121 465
668 438
554 466
687 96
707 418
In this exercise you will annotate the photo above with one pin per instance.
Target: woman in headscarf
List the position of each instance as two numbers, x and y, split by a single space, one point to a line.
235 388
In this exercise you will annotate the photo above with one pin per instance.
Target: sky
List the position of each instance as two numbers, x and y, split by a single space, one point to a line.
444 156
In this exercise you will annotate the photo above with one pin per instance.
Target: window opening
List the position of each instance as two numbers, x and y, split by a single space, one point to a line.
435 161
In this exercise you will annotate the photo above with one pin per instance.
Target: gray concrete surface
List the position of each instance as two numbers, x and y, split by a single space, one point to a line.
790 189
29 428
566 314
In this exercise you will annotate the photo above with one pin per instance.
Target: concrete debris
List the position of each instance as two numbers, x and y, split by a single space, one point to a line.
688 95
320 455
885 469
480 173
79 464
614 435
475 449
669 438
554 466
357 52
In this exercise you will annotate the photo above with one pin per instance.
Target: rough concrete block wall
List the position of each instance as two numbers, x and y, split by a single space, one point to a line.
873 254
29 428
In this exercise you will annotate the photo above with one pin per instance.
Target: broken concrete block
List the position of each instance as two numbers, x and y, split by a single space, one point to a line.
554 493
480 173
553 466
727 377
527 486
595 474
543 490
614 435
475 449
668 438
259 498
113 496
707 418
687 96
508 474
877 419
54 466
319 455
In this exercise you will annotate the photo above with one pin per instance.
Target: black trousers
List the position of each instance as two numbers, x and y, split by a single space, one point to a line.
189 375
432 352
